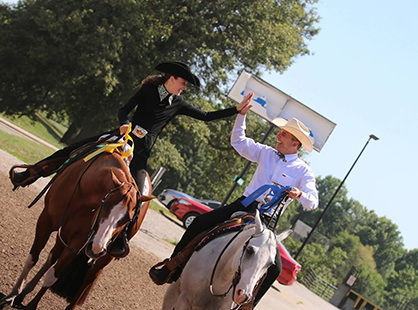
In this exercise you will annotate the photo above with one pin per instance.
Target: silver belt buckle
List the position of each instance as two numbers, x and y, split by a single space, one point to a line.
139 132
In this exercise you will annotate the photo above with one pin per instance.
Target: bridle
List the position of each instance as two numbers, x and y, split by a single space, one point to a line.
237 275
98 211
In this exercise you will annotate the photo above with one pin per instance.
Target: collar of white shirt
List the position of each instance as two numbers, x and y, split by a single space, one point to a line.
291 157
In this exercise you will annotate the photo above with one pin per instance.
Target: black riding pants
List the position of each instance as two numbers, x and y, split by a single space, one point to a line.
211 219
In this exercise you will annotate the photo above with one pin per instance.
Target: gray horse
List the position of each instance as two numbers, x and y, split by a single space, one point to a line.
209 280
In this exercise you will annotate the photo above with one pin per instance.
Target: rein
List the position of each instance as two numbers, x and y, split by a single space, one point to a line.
238 272
237 275
92 229
66 209
275 207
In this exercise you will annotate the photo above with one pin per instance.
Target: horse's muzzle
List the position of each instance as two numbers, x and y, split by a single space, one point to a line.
91 254
240 297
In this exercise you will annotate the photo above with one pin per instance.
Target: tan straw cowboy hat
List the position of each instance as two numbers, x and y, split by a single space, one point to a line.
297 129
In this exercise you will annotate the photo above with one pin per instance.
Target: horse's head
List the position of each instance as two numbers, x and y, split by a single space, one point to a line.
115 212
258 255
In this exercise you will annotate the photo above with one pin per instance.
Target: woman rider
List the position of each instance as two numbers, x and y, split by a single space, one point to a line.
157 102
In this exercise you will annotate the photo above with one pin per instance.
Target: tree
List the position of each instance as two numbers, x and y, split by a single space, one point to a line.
407 258
386 240
402 287
350 244
86 58
371 285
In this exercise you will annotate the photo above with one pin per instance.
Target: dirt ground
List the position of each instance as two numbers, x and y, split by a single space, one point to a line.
124 284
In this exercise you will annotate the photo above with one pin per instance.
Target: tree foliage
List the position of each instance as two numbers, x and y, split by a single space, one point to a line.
83 60
86 58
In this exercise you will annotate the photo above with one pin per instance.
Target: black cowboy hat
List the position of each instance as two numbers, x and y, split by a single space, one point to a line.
180 69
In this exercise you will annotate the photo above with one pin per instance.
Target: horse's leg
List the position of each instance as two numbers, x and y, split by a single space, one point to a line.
51 276
88 282
43 231
17 288
171 295
52 258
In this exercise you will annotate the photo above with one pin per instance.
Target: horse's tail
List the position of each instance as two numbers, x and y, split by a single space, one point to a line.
70 281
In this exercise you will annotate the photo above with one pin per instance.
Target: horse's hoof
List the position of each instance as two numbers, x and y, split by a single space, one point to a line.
18 306
3 301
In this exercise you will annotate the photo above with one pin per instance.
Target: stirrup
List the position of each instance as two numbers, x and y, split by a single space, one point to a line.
43 168
33 175
165 263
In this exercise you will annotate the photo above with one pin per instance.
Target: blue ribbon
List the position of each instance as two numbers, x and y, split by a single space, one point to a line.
278 193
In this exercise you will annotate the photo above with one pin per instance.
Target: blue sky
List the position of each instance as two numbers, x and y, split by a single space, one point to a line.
362 75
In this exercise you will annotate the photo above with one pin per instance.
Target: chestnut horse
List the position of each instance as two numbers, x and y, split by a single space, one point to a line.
89 203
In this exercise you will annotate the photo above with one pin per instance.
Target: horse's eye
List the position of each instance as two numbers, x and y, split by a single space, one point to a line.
250 250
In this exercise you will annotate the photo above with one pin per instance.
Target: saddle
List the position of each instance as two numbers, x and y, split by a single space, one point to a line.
176 264
55 165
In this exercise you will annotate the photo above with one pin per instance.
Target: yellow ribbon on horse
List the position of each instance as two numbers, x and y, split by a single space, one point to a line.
112 147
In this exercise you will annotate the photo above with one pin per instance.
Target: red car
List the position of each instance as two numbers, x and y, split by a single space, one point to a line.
290 267
186 211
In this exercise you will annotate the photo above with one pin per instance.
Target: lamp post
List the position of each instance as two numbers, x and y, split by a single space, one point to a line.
333 196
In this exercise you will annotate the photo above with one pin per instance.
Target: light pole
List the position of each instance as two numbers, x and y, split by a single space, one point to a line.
333 196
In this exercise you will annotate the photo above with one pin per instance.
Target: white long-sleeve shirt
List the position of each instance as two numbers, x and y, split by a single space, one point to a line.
271 168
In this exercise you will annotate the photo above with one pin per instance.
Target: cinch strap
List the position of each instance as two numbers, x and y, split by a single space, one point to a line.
277 190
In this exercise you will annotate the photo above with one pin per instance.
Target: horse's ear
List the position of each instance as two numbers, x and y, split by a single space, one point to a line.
147 198
284 235
258 223
115 179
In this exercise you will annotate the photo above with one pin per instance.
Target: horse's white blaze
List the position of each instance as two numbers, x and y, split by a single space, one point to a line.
50 278
107 227
254 268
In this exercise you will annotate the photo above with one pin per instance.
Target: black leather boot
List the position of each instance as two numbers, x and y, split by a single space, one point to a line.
31 173
159 276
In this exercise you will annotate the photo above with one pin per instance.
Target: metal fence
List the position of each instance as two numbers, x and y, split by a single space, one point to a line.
318 285
405 304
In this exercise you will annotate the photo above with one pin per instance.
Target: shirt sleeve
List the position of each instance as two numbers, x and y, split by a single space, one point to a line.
309 198
196 113
129 106
246 147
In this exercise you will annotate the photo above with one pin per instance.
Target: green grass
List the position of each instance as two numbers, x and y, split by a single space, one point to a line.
156 207
42 127
23 149
171 241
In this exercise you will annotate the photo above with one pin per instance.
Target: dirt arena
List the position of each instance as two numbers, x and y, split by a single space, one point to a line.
124 284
